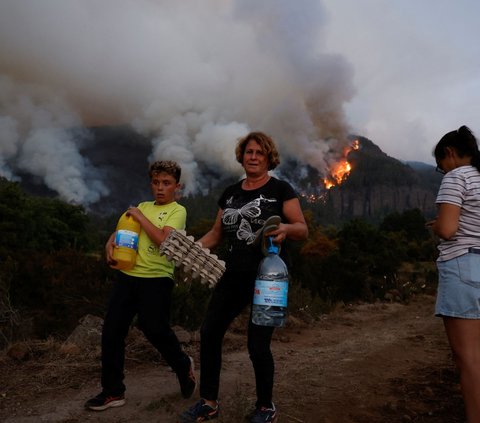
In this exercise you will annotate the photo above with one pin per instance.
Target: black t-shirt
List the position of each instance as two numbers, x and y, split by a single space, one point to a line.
244 212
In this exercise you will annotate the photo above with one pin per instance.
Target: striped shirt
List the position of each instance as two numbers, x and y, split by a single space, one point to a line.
461 187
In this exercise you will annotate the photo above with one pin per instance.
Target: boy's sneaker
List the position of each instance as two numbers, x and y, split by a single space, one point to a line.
200 412
103 401
264 415
187 380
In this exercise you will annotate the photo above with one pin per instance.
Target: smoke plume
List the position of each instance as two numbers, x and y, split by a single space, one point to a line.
194 76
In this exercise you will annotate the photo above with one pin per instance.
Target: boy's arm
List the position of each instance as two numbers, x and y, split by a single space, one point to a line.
157 235
109 246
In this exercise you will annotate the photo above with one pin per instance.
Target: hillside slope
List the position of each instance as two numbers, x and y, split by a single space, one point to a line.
377 185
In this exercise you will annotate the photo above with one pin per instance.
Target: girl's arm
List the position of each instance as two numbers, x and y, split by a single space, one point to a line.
446 223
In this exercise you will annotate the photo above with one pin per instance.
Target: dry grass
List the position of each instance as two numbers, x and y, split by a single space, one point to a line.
48 365
40 366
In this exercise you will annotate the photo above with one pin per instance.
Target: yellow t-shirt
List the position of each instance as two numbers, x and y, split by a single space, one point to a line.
150 264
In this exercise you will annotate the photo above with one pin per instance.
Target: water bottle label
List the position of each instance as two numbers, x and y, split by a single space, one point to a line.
270 293
127 239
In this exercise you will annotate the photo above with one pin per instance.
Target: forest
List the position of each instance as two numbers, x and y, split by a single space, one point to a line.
52 269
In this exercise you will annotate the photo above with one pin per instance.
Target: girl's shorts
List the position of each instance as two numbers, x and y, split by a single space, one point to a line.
458 293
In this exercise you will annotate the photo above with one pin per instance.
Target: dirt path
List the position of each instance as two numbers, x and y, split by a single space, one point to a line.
364 363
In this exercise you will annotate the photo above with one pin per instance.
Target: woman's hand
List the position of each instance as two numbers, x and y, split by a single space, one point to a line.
278 235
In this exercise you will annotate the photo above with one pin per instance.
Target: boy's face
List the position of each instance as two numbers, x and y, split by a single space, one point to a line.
163 188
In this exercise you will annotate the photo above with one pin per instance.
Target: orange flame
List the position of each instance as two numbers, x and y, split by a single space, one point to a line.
340 170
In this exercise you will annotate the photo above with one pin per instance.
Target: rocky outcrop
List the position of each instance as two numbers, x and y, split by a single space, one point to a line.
380 200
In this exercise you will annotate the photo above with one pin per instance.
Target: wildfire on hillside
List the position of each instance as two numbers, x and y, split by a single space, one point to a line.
340 170
338 173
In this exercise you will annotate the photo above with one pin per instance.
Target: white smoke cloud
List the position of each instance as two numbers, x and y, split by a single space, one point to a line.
215 145
52 154
8 145
197 75
39 135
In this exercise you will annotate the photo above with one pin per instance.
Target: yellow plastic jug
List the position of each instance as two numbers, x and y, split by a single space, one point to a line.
126 239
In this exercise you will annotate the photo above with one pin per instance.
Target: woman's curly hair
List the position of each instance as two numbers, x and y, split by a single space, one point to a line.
267 144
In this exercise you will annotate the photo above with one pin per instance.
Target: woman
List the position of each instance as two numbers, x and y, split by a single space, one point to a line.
458 226
244 208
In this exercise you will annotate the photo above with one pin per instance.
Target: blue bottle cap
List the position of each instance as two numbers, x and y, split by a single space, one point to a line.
271 247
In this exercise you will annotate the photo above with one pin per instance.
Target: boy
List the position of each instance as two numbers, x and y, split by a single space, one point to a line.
145 290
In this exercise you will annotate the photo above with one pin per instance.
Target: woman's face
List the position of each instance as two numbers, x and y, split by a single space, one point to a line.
255 161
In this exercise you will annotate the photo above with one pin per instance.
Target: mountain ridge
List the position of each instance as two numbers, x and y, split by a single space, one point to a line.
377 184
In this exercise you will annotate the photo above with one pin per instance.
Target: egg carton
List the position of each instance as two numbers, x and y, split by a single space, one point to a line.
197 262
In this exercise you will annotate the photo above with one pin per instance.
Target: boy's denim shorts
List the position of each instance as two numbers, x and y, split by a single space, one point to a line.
458 293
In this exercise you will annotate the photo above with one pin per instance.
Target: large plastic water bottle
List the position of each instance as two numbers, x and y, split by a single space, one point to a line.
271 290
126 239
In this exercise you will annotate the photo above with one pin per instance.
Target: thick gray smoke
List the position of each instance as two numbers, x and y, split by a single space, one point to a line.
193 75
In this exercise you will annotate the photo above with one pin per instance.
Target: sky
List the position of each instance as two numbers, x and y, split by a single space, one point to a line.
416 69
194 76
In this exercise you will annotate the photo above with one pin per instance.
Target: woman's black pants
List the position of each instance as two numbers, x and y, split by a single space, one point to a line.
232 294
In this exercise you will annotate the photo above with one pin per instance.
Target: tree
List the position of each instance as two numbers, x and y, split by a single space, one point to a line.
12 214
408 229
411 222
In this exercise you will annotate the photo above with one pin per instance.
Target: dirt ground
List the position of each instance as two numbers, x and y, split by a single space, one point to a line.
363 363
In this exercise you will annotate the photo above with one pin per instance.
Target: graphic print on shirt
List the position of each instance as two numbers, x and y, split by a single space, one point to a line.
162 215
153 250
245 232
248 213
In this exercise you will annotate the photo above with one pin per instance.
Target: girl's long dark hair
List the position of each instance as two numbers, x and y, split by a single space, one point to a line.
464 143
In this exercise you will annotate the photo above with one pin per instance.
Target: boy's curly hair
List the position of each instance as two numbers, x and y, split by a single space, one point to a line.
168 166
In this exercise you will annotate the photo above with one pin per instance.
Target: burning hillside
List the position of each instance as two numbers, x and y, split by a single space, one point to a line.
339 171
